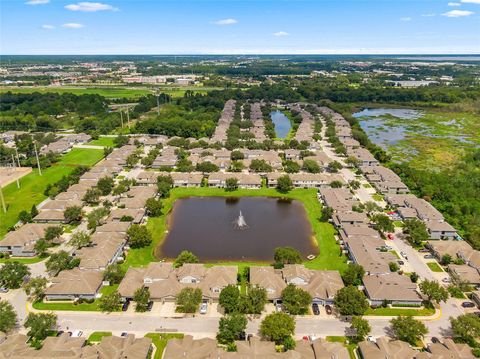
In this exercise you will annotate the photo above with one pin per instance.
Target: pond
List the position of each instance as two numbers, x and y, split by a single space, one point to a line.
209 227
281 122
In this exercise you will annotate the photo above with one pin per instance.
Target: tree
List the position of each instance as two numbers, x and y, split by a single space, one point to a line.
254 302
185 257
8 317
120 141
371 207
383 223
231 184
393 266
408 329
154 207
164 184
236 166
24 217
414 277
466 328
60 261
277 327
80 239
40 324
231 328
52 233
138 236
141 298
286 255
12 274
311 166
334 166
415 231
41 246
105 185
110 302
236 155
295 300
327 213
35 288
94 218
361 328
229 298
206 167
131 160
260 166
189 299
92 196
350 301
353 274
284 184
354 184
73 214
291 166
113 274
433 291
33 211
336 184
446 259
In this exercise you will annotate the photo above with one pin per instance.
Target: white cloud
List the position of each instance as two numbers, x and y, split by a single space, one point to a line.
90 7
429 15
407 18
229 21
72 25
37 2
281 33
48 27
458 13
470 1
454 4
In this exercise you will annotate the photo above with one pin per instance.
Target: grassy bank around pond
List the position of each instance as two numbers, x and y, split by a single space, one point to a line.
329 256
33 185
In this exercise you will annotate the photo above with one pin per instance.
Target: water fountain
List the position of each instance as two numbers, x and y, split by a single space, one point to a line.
240 223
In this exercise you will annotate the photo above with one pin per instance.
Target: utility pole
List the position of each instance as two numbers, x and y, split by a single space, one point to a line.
38 162
3 201
18 159
13 161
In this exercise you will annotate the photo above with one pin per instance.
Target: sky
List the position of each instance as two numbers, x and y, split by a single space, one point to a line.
32 27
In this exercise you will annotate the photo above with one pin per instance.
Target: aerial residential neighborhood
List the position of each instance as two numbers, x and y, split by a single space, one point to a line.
212 179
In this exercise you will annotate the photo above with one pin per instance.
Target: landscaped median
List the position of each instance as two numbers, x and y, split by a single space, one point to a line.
396 311
329 256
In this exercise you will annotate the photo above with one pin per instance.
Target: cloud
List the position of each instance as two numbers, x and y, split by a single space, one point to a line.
407 18
37 2
90 7
48 27
72 25
429 15
281 33
454 4
458 13
470 1
229 21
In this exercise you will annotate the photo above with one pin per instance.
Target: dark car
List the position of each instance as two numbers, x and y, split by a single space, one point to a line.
242 336
125 306
149 306
328 309
124 334
315 309
468 305
435 340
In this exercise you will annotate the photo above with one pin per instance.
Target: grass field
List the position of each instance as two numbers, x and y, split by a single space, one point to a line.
329 252
33 185
24 260
96 337
434 267
160 341
103 141
400 311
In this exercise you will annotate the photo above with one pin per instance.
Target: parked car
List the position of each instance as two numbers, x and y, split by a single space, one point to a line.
435 340
447 280
125 305
3 290
124 334
60 332
424 250
371 338
149 306
390 236
428 256
76 334
401 262
278 307
203 308
242 336
468 305
328 309
315 309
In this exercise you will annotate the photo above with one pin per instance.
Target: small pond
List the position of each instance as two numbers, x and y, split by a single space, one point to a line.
209 227
281 122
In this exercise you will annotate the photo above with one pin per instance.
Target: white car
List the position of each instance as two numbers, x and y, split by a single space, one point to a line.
203 308
76 334
372 339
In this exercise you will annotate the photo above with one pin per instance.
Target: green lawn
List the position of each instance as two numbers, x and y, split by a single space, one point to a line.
96 337
434 267
339 339
103 141
33 185
24 260
329 252
68 305
398 224
400 311
377 197
160 341
108 92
